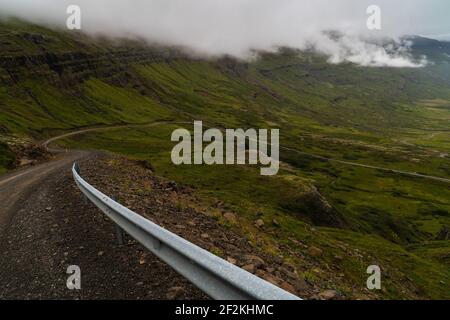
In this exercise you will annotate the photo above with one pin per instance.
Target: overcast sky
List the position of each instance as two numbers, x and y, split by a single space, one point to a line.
236 26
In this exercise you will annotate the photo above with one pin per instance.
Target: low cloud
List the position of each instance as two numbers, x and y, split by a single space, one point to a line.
353 49
237 27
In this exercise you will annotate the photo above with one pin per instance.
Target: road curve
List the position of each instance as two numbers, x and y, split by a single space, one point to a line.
355 164
16 185
45 226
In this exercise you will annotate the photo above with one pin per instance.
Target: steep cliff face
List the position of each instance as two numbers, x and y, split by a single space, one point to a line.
65 59
73 67
52 80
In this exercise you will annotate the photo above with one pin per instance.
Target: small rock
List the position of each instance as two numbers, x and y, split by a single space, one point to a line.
288 287
175 293
259 223
230 217
205 236
301 285
249 268
328 295
269 277
231 260
254 260
100 253
48 209
315 252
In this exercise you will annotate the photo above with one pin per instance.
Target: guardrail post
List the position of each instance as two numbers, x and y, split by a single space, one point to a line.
119 235
119 232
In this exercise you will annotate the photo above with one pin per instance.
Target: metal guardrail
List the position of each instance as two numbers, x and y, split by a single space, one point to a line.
216 277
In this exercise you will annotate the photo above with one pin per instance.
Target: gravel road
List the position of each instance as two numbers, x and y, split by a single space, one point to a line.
47 226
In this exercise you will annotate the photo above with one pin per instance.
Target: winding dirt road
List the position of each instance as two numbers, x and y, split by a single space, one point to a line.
355 164
46 225
16 187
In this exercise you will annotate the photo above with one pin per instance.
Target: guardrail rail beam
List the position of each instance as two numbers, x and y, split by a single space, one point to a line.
216 277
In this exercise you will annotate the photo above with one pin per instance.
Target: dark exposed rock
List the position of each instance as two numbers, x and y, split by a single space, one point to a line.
36 38
444 234
313 206
146 164
328 295
67 69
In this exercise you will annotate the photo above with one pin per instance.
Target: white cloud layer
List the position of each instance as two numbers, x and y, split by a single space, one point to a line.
236 27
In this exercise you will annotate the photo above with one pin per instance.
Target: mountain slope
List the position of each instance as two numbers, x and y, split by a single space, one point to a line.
52 82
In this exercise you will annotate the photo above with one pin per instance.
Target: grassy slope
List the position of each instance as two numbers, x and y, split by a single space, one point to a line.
6 158
391 118
244 191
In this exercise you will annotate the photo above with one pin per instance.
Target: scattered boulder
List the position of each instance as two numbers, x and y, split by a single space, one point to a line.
26 162
175 293
192 223
328 295
288 287
315 252
146 164
230 217
301 285
254 260
259 223
444 234
249 268
36 38
269 277
313 206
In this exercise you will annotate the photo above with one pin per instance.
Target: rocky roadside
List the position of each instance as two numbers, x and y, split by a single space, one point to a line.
174 207
55 228
26 152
